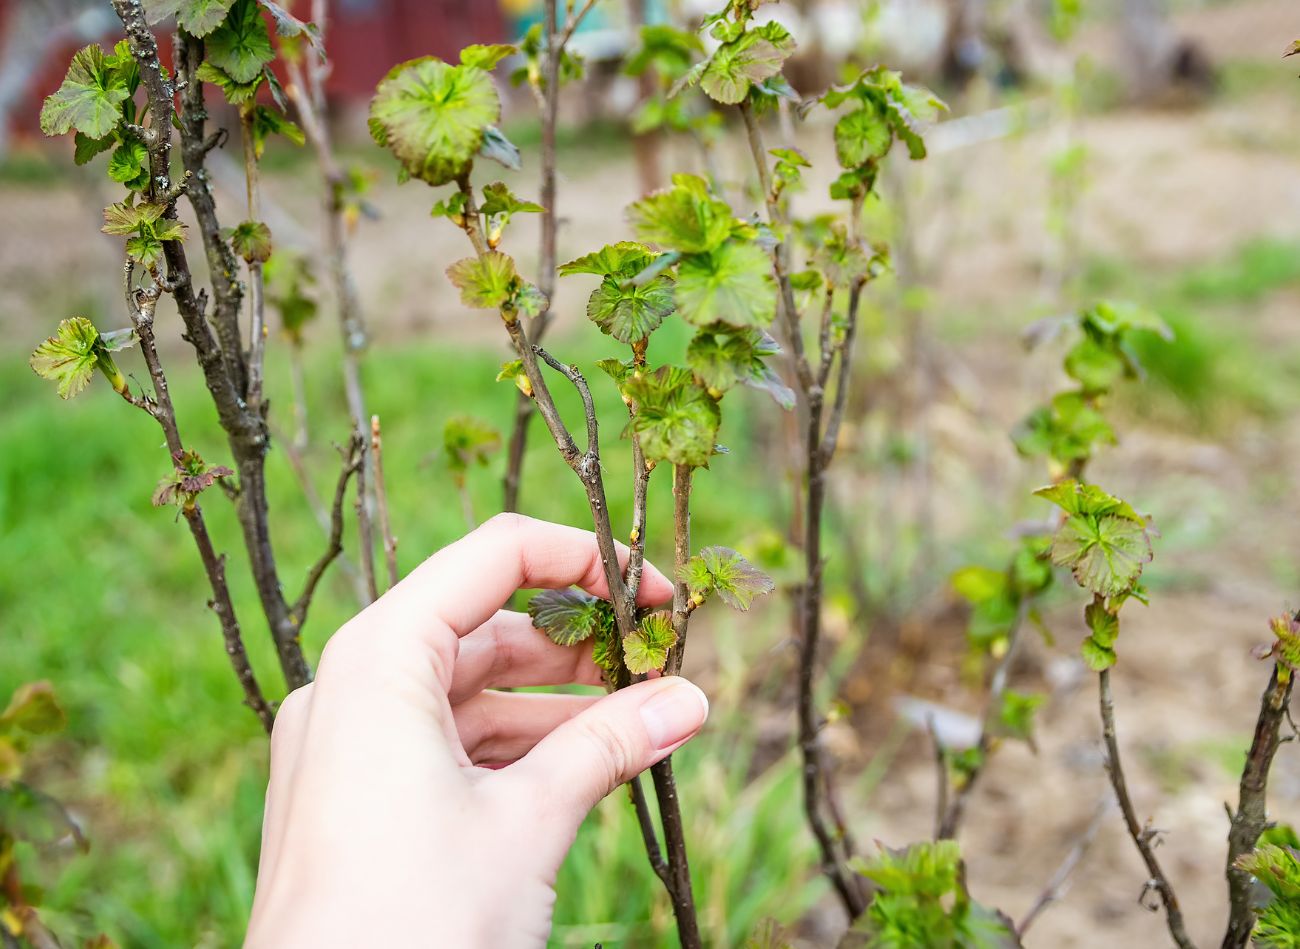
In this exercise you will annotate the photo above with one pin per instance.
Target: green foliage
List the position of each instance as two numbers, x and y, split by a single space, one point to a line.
190 477
1015 715
1102 540
754 55
241 45
1278 868
250 240
468 441
1066 430
884 108
197 17
485 57
1103 625
433 117
922 901
666 49
994 607
731 284
129 165
290 285
500 200
264 122
723 571
514 371
723 356
631 312
145 227
236 93
624 260
1286 644
683 218
568 617
92 93
645 649
71 356
676 417
491 282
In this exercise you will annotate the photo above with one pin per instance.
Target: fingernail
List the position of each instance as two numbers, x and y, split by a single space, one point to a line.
674 713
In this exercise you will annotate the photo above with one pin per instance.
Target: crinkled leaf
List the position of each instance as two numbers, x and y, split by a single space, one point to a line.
676 419
616 369
1105 553
433 116
568 617
251 240
485 57
33 709
645 649
498 199
236 93
489 282
684 217
190 477
731 284
197 17
71 356
724 356
723 571
1096 656
89 99
1074 497
264 122
129 163
289 27
123 218
514 371
628 312
669 50
625 259
751 57
861 136
241 45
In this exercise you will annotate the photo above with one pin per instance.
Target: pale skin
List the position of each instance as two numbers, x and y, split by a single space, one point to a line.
410 804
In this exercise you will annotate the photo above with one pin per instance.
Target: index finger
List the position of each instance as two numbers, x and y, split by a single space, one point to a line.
465 583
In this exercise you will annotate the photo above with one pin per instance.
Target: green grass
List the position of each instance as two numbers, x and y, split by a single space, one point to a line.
102 594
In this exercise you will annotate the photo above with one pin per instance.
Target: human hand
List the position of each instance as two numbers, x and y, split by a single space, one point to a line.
410 805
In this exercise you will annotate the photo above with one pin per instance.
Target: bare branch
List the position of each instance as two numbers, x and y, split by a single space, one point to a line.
1059 883
645 821
1143 837
352 463
381 501
1251 816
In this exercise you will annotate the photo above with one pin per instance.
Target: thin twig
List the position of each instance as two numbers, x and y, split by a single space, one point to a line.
1142 836
257 302
1251 816
956 810
1059 883
352 464
214 565
381 502
645 821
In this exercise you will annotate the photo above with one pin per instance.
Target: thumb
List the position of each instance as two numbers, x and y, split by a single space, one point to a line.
609 743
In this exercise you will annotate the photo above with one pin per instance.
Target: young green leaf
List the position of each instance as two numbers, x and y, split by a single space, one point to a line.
723 571
498 199
485 57
89 99
241 45
514 371
236 93
1067 429
86 148
628 312
1278 868
196 17
71 356
129 165
1103 541
731 284
1015 715
264 122
433 116
751 57
665 48
645 649
489 282
676 418
684 217
251 240
568 617
290 282
190 477
625 260
468 441
724 356
861 136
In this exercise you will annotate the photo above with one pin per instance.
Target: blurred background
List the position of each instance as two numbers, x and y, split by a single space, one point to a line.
1144 151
